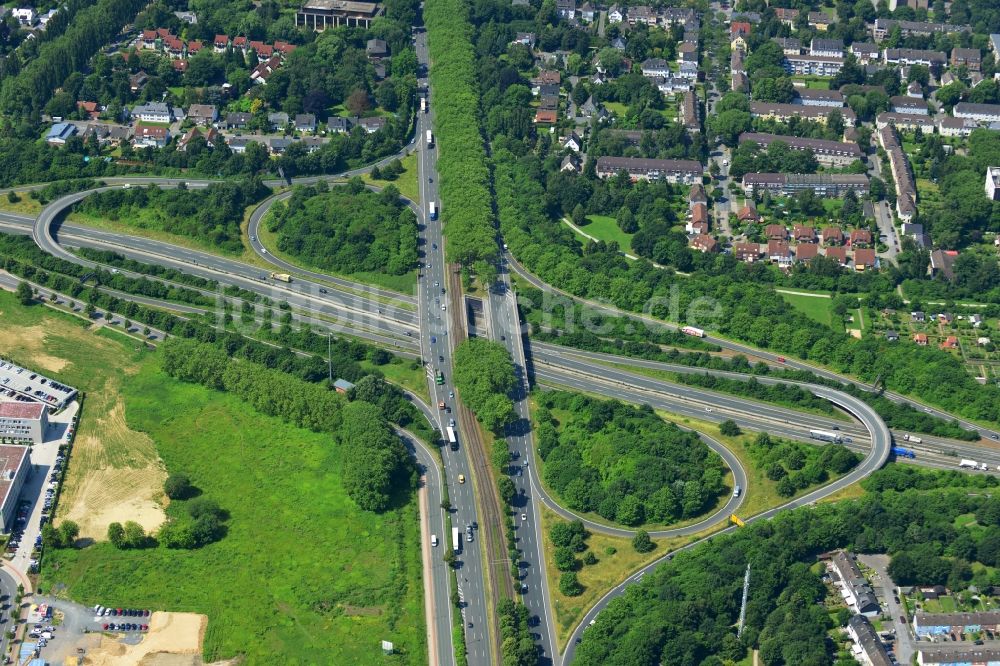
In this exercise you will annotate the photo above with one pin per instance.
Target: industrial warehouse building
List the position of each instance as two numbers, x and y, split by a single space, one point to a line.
14 466
23 422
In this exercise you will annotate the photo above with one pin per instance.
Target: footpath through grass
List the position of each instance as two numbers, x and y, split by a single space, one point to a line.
301 577
818 307
605 228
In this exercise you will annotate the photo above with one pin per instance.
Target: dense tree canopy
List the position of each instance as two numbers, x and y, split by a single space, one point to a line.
624 462
348 229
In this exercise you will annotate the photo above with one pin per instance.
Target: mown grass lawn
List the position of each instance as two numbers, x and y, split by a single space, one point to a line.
816 307
301 577
605 228
406 182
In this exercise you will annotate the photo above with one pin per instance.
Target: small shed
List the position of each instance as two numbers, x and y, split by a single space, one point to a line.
342 386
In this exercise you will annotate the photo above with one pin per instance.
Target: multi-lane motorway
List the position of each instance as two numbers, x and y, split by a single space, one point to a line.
428 325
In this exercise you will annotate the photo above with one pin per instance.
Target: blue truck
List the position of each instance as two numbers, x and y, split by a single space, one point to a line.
900 452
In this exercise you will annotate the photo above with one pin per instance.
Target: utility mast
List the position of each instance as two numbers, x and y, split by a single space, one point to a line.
743 606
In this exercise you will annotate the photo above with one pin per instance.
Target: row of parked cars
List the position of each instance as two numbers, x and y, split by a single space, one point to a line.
139 624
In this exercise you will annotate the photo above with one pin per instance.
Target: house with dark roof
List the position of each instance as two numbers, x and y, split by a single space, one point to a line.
867 642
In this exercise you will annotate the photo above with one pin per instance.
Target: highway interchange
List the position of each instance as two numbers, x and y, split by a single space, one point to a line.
425 326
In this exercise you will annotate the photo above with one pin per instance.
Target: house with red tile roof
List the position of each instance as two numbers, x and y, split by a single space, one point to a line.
90 108
832 236
864 258
803 234
920 339
951 342
220 43
776 232
838 253
748 252
748 213
779 252
546 117
806 251
703 243
861 237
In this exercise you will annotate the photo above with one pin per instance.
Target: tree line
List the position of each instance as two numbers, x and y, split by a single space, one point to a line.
484 375
212 215
466 201
379 465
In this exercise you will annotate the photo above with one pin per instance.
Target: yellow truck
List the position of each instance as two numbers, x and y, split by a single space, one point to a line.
284 277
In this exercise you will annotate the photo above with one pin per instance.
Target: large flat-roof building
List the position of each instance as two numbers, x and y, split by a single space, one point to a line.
981 113
946 656
23 422
833 153
319 15
937 624
639 168
822 184
785 112
14 466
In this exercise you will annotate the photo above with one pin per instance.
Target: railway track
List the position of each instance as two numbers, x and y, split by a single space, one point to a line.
491 528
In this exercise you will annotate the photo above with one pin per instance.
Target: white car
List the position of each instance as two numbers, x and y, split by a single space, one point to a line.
444 307
434 540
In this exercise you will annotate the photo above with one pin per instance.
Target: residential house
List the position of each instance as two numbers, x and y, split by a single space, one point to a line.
153 112
950 126
776 232
91 109
616 14
833 48
673 171
918 317
932 59
203 114
806 252
689 112
263 71
778 252
697 194
748 213
907 104
573 142
220 43
838 254
586 12
137 81
305 122
950 342
948 656
739 28
376 48
372 124
698 224
785 112
981 113
891 336
150 136
336 124
920 339
866 52
813 65
864 259
209 135
747 252
566 8
819 20
882 28
656 67
789 45
868 647
915 90
26 16
786 16
238 120
740 83
906 121
822 184
859 238
570 163
703 243
832 236
993 183
829 153
814 97
803 234
854 587
277 120
687 52
546 117
943 263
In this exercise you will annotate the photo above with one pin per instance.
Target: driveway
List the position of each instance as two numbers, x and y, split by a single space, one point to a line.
905 644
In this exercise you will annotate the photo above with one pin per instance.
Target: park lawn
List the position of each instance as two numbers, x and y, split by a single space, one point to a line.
605 228
406 183
814 82
404 284
818 308
26 205
403 372
596 579
302 576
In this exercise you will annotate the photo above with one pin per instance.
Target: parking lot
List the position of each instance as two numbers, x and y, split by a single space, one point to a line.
40 489
61 629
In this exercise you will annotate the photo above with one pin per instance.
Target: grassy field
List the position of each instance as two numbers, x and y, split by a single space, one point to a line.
403 372
617 108
26 206
404 284
819 308
115 472
318 581
814 82
605 228
617 560
406 183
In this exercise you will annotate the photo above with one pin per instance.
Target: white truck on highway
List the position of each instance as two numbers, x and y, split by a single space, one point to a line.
912 439
692 330
971 464
430 139
456 540
283 277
